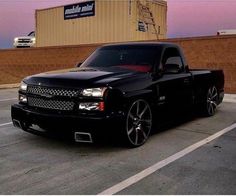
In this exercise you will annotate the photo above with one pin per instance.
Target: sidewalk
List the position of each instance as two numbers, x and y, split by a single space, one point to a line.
6 86
230 98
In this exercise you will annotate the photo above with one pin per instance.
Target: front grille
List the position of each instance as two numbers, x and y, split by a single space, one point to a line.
51 104
38 90
24 41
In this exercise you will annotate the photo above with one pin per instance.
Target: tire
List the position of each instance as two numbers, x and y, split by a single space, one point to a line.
138 123
210 102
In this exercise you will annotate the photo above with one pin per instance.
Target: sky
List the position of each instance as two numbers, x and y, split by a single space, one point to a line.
185 18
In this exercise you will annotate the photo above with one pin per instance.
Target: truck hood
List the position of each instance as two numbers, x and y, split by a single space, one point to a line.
80 77
25 37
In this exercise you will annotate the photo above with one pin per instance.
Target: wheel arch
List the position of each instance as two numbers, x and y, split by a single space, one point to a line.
146 95
120 100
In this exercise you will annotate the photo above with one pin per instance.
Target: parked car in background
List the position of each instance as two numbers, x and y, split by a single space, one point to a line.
227 32
121 89
25 41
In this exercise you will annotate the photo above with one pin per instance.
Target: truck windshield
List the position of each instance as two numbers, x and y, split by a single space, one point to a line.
31 34
137 58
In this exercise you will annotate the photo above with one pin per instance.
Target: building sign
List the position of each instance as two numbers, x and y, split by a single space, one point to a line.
79 10
142 26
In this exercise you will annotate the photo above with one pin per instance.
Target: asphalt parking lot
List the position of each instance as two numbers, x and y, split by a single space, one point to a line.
32 164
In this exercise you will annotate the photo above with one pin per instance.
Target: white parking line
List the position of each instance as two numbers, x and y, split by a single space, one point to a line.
4 124
1 100
146 172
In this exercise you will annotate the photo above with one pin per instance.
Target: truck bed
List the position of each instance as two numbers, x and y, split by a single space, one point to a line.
203 78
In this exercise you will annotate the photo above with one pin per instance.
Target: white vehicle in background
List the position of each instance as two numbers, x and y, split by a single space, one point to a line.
227 32
25 41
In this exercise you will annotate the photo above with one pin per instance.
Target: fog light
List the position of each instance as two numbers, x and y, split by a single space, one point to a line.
92 106
22 98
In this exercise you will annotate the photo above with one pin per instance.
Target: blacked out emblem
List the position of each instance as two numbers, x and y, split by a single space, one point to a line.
162 98
47 96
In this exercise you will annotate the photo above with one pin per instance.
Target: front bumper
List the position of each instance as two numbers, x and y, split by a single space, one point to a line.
24 118
23 45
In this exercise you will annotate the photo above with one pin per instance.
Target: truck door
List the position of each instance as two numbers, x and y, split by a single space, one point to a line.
175 86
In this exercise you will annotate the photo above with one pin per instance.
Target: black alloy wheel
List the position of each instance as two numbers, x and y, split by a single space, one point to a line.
212 100
138 123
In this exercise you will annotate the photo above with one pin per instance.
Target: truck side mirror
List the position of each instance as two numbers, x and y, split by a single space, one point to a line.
171 68
78 64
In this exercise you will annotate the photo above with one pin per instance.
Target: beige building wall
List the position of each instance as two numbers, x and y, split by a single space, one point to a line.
159 11
114 21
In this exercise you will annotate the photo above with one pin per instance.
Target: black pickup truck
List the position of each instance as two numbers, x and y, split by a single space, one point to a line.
121 89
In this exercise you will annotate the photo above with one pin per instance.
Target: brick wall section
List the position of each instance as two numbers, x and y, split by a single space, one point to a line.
201 52
212 53
15 64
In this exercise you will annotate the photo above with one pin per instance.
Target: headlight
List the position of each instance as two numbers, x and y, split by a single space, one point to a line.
93 92
16 40
33 40
23 86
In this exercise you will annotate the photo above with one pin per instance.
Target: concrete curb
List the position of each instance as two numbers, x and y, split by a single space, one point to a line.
230 98
7 86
